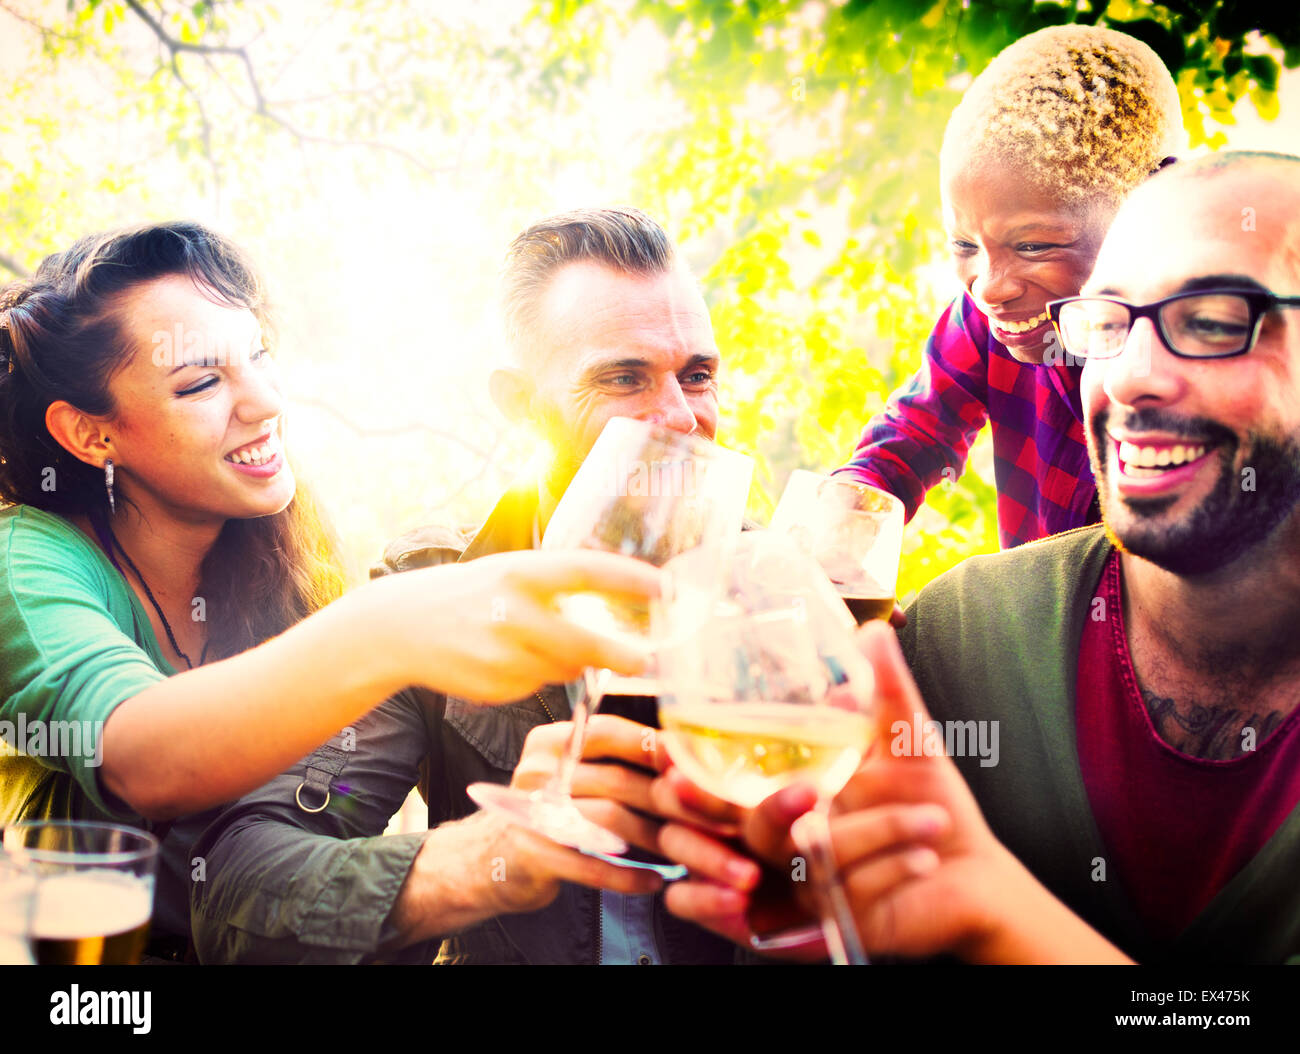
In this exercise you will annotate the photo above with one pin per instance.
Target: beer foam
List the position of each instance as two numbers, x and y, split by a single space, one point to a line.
85 904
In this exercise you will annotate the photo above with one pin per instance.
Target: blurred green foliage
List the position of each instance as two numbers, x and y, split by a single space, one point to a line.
797 169
809 144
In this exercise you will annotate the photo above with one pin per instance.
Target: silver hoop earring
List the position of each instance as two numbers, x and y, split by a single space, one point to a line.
108 485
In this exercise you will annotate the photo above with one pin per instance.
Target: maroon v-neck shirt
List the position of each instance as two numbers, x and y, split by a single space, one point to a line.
1176 828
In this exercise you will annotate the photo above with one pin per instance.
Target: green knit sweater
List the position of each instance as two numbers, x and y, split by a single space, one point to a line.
997 638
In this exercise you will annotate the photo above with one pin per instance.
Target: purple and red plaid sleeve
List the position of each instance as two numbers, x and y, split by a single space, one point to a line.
1040 457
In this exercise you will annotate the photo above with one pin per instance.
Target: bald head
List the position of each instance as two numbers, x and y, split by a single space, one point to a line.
1243 204
1197 459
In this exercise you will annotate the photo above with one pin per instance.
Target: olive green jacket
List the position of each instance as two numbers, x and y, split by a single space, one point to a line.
296 872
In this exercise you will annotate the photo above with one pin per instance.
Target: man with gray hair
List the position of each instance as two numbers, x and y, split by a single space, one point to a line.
602 320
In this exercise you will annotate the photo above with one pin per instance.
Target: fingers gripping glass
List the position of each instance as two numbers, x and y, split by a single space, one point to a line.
1205 324
649 493
763 685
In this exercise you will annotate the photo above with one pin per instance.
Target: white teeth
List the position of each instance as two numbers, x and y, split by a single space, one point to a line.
256 455
1149 457
1026 326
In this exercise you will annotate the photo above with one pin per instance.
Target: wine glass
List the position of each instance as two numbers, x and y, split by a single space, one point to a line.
763 686
17 902
91 889
853 530
650 493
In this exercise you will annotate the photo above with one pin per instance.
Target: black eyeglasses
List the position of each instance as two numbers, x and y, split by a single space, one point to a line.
1206 324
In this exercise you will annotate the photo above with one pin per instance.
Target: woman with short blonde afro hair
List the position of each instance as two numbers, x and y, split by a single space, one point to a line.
1036 159
1085 111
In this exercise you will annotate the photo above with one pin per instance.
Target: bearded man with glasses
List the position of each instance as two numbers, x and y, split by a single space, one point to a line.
1144 674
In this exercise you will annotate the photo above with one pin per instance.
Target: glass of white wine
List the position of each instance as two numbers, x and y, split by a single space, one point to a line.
763 686
853 530
647 492
91 889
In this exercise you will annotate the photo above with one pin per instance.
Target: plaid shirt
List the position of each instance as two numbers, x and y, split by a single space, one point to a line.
1040 457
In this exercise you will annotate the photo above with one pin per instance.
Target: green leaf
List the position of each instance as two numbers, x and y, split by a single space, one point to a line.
1160 39
1263 71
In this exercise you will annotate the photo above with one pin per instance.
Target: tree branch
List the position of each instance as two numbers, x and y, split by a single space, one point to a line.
259 105
375 91
175 45
448 499
45 31
371 432
207 129
365 144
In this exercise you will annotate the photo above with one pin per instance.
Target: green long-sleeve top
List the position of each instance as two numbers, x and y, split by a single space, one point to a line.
75 643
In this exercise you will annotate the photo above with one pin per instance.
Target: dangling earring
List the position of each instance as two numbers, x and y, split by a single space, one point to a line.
108 484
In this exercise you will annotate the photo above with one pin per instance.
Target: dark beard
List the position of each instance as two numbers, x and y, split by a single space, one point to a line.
1230 521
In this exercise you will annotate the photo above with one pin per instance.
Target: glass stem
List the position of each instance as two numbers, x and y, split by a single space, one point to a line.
838 927
594 682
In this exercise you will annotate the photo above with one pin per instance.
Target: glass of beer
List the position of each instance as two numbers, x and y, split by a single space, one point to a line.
17 898
91 886
854 531
763 687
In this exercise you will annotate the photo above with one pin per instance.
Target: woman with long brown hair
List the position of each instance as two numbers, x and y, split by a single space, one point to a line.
168 591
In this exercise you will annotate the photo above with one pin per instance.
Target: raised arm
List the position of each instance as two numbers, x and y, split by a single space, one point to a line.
924 433
291 876
486 630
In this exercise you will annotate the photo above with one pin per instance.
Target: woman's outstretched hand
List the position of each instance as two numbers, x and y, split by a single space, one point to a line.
490 629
